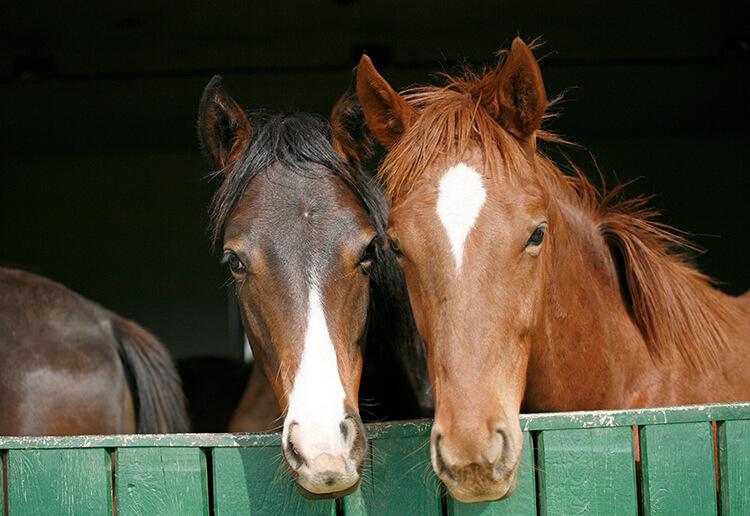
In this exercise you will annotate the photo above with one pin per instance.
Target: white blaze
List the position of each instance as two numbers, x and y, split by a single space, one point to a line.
316 401
461 197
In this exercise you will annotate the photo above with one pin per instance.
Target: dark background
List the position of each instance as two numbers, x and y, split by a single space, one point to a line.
102 185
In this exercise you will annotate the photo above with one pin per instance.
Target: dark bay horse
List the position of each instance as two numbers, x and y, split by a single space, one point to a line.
531 289
302 229
70 367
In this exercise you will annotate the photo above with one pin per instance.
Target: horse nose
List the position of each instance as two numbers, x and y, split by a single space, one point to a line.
475 463
484 445
326 460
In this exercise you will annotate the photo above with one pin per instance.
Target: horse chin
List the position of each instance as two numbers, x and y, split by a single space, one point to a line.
329 495
483 491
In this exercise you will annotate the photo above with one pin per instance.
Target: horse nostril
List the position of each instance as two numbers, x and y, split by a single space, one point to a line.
292 454
344 427
296 457
499 471
503 437
442 468
502 447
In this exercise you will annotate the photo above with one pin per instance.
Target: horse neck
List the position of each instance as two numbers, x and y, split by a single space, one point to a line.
586 352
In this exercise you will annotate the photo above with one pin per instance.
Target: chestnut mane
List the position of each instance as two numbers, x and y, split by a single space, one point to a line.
674 305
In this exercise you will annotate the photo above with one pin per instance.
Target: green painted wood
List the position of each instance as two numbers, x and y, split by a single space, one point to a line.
59 482
734 467
639 417
677 469
587 471
529 422
523 500
255 481
2 481
161 482
397 480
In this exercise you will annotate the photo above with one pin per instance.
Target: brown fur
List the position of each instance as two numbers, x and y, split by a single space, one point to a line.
71 367
673 303
605 312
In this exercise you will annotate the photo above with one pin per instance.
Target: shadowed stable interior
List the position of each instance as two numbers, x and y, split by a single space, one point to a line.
103 184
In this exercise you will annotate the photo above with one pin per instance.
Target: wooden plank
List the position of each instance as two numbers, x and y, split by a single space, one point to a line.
639 417
161 481
59 482
397 480
256 481
142 441
734 467
3 466
587 471
677 469
523 500
529 422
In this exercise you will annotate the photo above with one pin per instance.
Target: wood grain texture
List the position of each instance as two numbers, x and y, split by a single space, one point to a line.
59 482
587 472
418 428
161 482
255 481
640 417
397 480
734 467
677 469
523 500
3 465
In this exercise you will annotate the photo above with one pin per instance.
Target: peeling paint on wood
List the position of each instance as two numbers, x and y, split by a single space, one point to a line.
256 481
585 465
734 461
161 481
397 479
677 465
59 482
587 471
418 428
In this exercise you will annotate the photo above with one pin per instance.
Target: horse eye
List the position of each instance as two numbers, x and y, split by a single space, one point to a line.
536 237
395 248
368 255
235 264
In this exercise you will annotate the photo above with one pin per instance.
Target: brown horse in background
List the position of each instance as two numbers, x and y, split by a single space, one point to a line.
531 289
70 367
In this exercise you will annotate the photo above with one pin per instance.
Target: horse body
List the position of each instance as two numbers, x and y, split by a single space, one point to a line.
530 288
589 352
68 364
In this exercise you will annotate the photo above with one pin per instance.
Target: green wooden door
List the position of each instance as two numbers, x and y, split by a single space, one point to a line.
572 463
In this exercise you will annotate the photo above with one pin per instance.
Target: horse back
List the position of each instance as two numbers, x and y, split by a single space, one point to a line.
60 373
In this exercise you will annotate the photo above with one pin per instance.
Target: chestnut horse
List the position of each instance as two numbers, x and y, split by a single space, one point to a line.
302 229
532 290
71 367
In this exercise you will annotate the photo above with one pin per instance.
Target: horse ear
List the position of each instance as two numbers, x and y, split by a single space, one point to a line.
351 137
515 94
387 113
223 127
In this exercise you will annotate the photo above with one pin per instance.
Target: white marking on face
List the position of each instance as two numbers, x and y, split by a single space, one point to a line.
316 401
461 197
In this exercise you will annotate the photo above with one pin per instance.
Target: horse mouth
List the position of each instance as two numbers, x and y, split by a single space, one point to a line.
327 496
474 484
483 492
